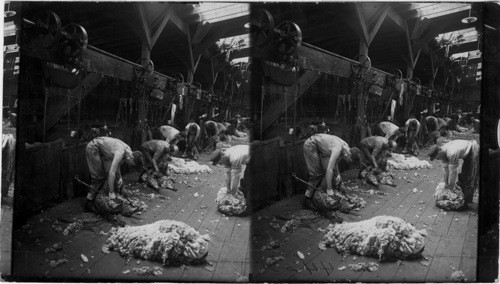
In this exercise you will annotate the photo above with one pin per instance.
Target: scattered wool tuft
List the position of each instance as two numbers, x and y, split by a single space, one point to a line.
231 204
400 162
54 248
449 199
362 266
458 276
146 270
73 228
290 225
382 236
272 260
164 240
56 263
180 166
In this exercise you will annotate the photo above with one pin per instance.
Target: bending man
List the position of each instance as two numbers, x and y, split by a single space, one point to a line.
412 130
154 150
374 151
192 133
322 153
105 155
171 134
234 160
450 153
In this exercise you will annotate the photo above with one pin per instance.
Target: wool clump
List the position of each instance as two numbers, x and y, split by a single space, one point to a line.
385 237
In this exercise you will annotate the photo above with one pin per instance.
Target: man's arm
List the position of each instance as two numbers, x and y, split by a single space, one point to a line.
158 154
375 152
112 173
329 171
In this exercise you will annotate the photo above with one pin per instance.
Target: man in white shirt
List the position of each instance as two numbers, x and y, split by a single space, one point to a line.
450 153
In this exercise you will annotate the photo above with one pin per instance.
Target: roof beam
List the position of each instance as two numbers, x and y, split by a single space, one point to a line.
218 34
201 31
384 10
393 15
178 22
436 28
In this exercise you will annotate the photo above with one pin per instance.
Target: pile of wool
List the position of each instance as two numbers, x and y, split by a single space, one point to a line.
230 204
157 180
180 166
386 237
166 240
120 205
400 162
338 202
449 199
223 145
238 140
374 177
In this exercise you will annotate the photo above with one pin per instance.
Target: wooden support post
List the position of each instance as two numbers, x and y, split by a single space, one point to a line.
361 115
146 53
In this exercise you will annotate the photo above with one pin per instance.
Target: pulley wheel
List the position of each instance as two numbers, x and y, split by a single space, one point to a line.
362 66
262 27
397 73
76 40
145 69
48 26
178 78
290 36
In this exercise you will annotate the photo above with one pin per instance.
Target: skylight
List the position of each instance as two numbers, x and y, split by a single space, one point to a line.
433 10
216 12
457 37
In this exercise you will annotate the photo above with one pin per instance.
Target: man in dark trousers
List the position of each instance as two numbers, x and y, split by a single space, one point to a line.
322 153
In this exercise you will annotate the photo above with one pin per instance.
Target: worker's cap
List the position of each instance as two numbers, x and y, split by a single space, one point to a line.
433 151
216 156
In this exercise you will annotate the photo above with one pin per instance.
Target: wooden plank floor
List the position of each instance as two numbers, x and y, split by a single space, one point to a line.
228 252
5 236
451 243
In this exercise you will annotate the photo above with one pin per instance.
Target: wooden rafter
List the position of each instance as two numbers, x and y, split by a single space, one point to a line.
201 31
393 15
368 29
381 17
209 41
362 23
166 17
146 32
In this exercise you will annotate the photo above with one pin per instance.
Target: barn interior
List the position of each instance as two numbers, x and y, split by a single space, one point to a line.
275 74
342 69
121 70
